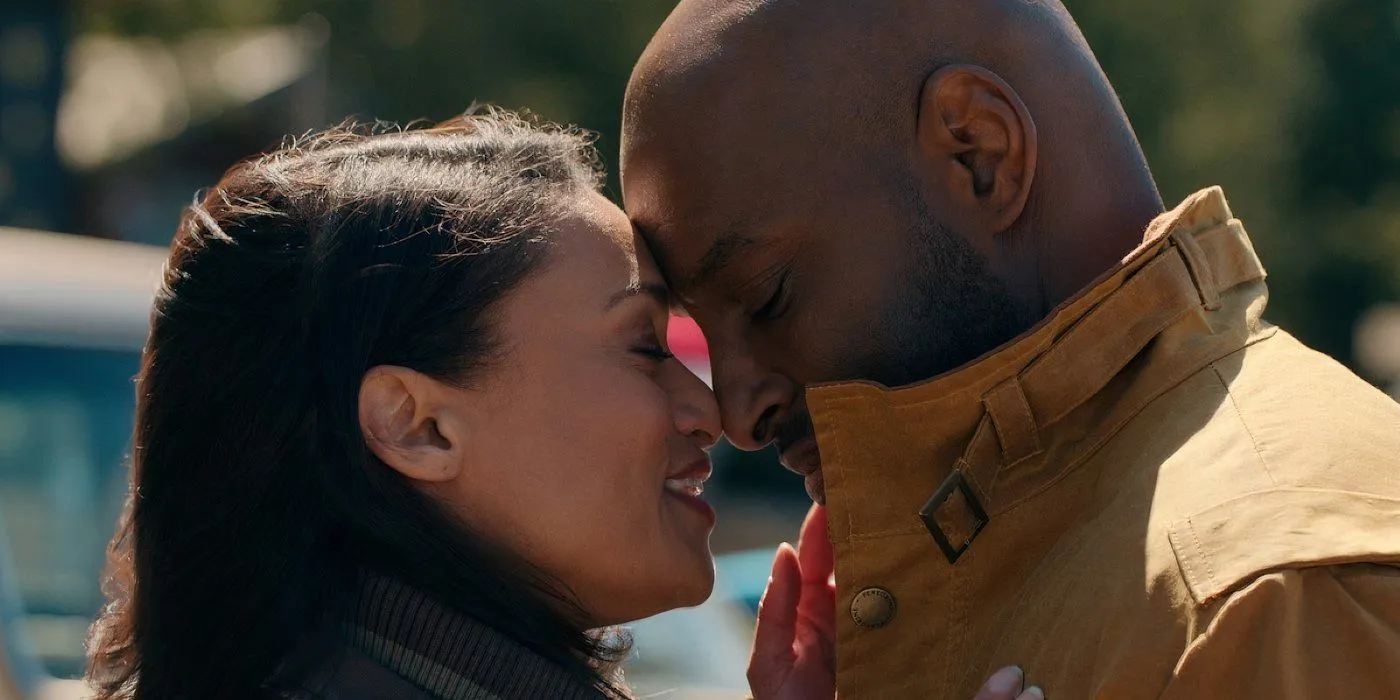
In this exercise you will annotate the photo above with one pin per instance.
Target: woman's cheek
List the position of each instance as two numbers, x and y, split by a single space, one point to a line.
640 394
637 435
654 409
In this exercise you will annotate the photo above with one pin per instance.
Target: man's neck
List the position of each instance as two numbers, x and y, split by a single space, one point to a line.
1102 231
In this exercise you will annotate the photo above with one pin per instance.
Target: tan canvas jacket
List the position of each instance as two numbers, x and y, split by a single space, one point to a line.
1152 494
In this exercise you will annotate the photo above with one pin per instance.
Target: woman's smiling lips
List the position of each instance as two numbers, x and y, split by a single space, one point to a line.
688 485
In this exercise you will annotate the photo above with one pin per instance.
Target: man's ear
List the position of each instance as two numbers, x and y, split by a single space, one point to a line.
978 137
407 424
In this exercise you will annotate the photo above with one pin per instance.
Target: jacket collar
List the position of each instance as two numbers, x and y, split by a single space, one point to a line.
950 454
449 654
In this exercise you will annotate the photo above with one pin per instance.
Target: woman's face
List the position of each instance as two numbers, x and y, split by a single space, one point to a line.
585 443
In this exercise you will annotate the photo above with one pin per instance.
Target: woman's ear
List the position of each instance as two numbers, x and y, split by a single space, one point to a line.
976 133
407 424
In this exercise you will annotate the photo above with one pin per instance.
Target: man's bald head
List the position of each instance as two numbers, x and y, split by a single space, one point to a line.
936 173
870 57
814 80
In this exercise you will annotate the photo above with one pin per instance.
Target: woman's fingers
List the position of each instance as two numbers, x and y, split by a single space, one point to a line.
817 609
814 548
794 642
1006 684
773 654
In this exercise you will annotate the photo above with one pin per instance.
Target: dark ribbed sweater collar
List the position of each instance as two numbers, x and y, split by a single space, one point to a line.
448 654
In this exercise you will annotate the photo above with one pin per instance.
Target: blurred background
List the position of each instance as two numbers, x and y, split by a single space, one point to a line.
113 112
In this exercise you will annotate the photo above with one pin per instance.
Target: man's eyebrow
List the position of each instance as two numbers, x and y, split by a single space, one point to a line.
720 254
658 292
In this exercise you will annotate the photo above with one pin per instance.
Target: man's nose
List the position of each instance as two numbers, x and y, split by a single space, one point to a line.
752 399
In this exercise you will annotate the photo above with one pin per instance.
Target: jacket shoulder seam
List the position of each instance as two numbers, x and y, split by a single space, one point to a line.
1244 424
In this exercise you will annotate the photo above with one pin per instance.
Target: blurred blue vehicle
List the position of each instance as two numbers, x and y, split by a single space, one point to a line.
73 316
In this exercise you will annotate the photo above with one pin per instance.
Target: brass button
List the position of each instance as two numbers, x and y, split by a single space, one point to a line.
872 608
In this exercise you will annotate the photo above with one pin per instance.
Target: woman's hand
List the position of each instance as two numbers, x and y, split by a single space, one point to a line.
794 649
1006 684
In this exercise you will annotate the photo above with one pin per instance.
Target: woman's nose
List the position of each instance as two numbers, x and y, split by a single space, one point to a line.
697 411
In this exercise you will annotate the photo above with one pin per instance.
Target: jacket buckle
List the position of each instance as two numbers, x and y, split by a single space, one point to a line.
955 483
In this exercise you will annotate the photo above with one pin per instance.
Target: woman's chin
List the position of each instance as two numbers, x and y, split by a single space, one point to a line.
701 581
692 590
695 586
689 566
701 586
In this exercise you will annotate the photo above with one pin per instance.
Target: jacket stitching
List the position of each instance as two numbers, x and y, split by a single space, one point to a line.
1183 553
1239 415
976 438
1001 436
1201 552
852 678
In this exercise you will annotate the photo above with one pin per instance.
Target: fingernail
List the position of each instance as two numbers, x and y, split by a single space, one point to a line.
1007 680
1035 693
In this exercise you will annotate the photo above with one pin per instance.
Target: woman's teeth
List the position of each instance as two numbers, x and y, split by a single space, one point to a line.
686 487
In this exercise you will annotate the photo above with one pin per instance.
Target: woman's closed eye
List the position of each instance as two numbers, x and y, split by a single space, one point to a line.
652 349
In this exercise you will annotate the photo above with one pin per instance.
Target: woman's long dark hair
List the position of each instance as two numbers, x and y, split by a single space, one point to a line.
254 499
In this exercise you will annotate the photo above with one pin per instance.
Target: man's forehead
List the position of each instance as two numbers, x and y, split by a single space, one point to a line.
719 255
678 248
702 206
694 257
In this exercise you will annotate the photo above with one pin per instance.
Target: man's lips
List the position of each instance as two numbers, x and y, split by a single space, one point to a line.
803 458
816 487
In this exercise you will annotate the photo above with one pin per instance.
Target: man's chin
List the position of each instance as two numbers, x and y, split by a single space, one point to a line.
816 487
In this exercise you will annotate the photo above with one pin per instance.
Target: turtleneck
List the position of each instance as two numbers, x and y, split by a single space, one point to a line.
448 654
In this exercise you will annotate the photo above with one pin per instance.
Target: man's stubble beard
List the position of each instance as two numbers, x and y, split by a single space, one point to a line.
951 311
948 311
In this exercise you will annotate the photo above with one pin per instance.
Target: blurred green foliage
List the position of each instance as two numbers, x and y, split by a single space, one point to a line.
400 60
1292 105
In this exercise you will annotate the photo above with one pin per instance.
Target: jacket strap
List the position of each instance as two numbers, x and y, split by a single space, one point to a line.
1227 545
1189 276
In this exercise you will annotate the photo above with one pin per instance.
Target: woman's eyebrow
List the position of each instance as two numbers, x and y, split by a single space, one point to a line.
656 291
